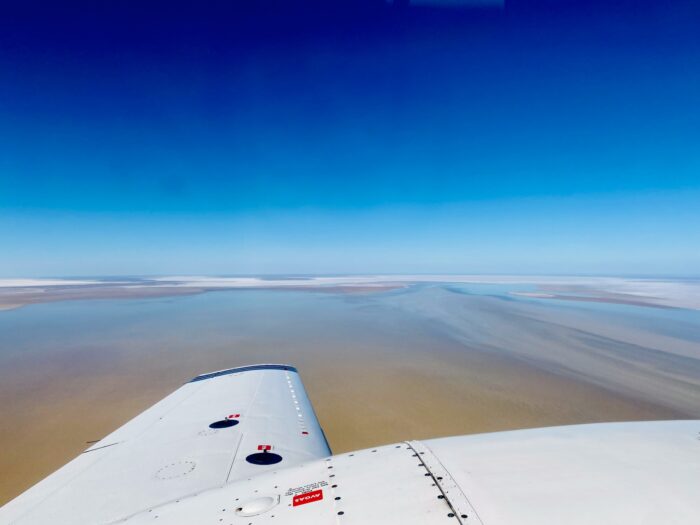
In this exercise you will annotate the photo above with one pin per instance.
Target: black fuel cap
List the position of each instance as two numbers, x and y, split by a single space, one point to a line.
264 458
224 423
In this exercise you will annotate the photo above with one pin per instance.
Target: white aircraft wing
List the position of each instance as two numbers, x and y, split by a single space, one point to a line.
216 429
194 458
603 474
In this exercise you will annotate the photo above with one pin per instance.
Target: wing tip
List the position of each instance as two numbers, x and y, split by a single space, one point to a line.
241 369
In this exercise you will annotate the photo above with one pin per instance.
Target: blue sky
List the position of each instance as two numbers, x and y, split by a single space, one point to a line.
320 137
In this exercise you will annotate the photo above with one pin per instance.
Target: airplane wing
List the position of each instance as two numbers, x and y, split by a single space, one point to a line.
242 447
605 474
218 428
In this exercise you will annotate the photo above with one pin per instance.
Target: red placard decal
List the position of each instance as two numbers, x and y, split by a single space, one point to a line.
308 497
264 448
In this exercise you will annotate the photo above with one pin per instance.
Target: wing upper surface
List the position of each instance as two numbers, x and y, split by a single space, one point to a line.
197 438
605 473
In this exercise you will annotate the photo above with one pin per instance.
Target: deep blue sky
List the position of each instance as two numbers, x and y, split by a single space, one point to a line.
340 137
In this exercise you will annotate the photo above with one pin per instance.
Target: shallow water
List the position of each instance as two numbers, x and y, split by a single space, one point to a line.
382 367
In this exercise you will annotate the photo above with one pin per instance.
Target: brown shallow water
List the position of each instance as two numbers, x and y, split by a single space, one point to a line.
378 368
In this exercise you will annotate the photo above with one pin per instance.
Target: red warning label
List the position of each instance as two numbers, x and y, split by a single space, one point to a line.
308 497
264 448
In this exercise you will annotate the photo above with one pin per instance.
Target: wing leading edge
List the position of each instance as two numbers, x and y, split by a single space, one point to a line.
216 429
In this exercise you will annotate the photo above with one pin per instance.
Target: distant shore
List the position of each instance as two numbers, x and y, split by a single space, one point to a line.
662 293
